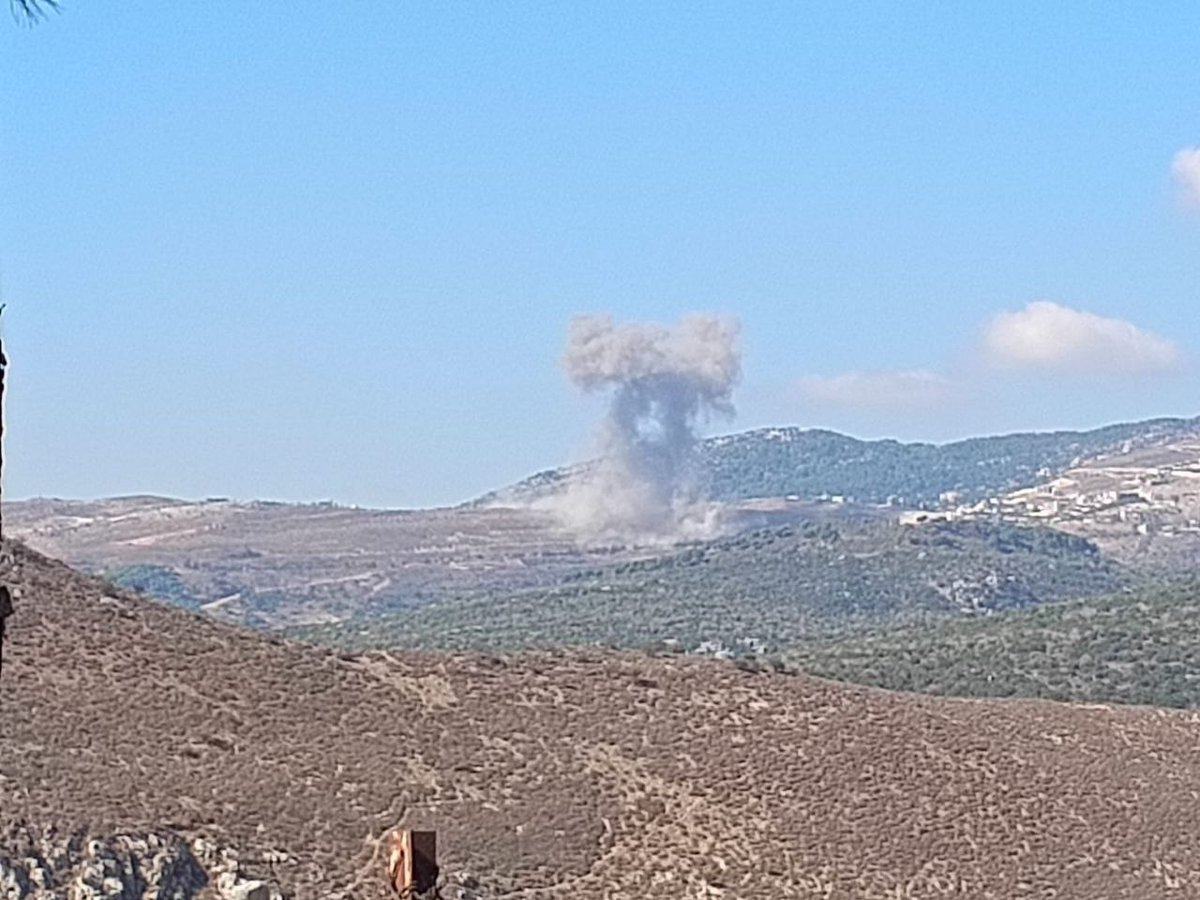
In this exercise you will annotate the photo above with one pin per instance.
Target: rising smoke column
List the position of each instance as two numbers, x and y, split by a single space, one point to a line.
664 382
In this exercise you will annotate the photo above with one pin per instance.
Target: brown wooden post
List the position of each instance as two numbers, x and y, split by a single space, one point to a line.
412 861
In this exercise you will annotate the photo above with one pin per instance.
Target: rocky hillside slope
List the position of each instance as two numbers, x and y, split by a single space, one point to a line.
82 865
580 775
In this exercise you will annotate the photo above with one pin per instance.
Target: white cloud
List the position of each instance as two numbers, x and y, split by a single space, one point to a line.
1046 335
1185 168
877 390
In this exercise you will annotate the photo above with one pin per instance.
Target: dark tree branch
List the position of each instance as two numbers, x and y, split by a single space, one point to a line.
32 10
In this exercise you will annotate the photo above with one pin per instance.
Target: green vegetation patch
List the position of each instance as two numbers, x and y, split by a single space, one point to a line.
1141 647
762 592
161 582
778 461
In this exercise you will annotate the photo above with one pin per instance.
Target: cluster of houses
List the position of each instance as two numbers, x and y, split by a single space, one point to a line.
1160 499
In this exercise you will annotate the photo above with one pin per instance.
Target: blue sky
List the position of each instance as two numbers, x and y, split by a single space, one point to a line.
314 250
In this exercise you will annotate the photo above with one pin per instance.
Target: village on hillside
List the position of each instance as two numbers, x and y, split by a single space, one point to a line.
1134 496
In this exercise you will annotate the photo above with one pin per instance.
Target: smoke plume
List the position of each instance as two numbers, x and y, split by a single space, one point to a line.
664 381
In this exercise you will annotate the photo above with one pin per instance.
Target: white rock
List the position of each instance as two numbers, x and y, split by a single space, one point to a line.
249 890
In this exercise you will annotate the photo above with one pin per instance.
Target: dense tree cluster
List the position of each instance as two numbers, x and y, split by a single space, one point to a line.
1137 647
809 463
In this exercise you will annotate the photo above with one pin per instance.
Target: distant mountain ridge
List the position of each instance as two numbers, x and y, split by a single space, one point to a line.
809 463
280 565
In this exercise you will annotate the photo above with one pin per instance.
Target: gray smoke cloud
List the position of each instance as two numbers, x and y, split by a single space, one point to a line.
664 381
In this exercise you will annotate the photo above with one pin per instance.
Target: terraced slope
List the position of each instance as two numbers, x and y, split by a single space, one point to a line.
581 775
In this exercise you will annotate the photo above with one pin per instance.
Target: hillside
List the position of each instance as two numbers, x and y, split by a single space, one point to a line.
270 564
763 590
771 462
575 774
1127 648
277 565
1139 505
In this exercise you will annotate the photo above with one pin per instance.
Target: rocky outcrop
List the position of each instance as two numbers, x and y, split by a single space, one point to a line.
37 864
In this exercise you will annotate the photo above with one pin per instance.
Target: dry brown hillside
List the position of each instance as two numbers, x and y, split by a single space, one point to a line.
581 775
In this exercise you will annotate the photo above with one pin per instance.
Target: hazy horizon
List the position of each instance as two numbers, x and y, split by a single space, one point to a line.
319 498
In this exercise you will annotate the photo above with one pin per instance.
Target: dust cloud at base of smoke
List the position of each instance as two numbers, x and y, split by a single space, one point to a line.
608 505
664 381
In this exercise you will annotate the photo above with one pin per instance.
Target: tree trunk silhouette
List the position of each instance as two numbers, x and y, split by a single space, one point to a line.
6 606
3 371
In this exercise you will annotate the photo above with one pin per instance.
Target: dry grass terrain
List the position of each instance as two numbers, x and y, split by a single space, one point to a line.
577 775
